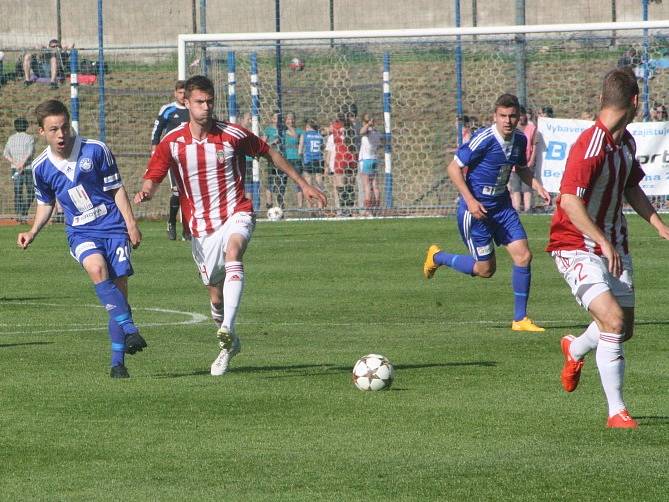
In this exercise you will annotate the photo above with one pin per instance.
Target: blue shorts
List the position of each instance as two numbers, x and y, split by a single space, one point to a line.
501 225
368 166
115 251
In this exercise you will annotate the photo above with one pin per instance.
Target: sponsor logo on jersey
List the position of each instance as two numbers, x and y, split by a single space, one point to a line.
86 164
109 307
220 156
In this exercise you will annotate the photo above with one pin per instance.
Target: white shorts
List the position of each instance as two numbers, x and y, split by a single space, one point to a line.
588 276
209 250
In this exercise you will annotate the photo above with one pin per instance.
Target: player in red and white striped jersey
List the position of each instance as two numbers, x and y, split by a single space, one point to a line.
589 242
208 159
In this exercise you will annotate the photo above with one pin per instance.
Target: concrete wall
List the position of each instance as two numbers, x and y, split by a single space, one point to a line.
28 23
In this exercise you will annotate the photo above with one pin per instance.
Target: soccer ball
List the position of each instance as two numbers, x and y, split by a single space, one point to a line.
275 213
296 64
373 372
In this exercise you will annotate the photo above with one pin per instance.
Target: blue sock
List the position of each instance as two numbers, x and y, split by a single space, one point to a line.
461 262
520 280
117 337
114 302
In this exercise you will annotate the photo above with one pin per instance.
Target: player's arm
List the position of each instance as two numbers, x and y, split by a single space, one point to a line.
637 199
283 165
123 203
42 215
473 205
527 175
575 210
159 163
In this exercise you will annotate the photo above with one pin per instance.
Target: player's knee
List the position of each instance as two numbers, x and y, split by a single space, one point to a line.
485 269
613 322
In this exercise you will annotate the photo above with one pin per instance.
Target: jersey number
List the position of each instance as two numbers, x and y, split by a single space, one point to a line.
122 253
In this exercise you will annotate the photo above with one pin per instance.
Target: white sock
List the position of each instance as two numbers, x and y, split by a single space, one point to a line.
232 292
217 314
583 344
611 365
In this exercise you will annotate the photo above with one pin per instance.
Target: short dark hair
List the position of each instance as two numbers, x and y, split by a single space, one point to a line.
20 124
49 108
619 87
200 83
507 101
181 84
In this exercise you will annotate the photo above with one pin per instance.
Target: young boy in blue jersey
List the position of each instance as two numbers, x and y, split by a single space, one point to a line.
82 175
485 212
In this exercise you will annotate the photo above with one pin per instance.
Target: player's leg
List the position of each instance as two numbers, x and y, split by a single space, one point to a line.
527 200
174 208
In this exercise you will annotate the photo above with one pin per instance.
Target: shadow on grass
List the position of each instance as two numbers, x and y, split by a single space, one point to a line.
26 298
7 345
652 420
300 370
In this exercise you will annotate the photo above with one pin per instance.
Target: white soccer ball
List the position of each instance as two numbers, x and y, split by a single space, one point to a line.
373 372
275 213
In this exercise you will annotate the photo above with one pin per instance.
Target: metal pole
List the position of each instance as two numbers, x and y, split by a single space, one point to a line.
474 16
102 133
255 127
646 97
203 29
458 74
59 23
74 89
332 21
613 20
194 15
232 91
277 66
388 178
521 57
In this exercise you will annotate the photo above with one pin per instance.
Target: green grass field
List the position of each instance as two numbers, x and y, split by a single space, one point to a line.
476 411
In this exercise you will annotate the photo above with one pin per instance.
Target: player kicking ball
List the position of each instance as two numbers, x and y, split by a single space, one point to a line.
588 239
82 175
485 213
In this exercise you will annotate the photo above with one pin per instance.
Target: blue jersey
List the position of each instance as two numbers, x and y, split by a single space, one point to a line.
490 159
84 185
312 143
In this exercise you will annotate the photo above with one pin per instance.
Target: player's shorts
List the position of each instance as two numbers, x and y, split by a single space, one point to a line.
209 250
517 185
501 225
313 167
368 166
115 251
588 277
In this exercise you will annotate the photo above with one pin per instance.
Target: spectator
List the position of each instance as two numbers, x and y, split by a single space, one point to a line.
345 163
329 160
629 58
246 123
659 114
48 63
291 142
19 153
370 139
311 150
276 179
521 192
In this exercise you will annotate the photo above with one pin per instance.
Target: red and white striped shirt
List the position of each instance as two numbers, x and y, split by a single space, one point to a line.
598 171
209 172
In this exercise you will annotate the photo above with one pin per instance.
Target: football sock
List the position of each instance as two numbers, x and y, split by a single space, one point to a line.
115 304
174 209
117 337
583 344
233 285
461 262
520 280
611 366
217 313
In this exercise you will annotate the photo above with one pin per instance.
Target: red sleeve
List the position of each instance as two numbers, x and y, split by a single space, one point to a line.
580 171
251 145
159 163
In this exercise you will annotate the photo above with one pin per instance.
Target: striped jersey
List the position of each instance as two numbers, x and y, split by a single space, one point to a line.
84 184
489 159
597 171
209 172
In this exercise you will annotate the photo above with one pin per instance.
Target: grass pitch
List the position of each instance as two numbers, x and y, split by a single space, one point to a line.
476 411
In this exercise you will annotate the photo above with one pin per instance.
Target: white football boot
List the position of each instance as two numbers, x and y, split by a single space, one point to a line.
230 346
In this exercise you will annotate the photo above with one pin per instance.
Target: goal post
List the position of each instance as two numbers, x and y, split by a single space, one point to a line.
406 81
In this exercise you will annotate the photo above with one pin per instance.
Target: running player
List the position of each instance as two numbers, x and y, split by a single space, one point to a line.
81 174
485 213
170 116
588 239
208 157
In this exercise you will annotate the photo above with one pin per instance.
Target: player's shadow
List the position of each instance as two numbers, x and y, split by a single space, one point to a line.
302 370
21 344
25 298
652 420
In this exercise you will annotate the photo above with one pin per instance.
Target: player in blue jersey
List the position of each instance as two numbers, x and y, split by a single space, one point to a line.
81 174
170 116
485 213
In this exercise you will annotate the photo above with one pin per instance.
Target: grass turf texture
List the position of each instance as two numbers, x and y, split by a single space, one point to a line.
476 410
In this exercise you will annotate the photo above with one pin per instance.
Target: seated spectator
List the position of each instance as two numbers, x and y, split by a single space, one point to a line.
49 63
629 58
659 114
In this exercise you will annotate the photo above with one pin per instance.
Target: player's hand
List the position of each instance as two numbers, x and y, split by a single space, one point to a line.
477 209
24 239
544 194
313 193
135 236
615 263
141 196
664 232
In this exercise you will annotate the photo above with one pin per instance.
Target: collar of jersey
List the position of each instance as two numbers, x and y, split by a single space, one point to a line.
62 165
